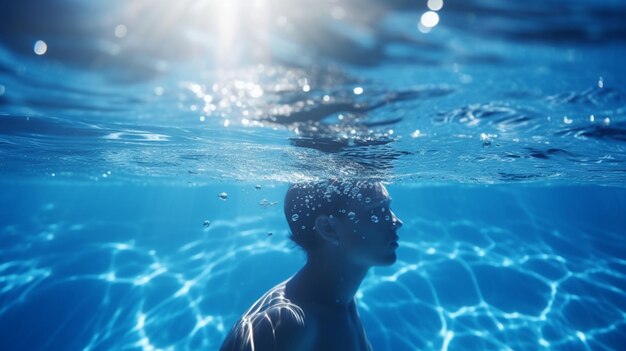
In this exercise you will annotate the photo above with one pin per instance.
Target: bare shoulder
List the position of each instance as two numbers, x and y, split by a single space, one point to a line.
281 329
272 323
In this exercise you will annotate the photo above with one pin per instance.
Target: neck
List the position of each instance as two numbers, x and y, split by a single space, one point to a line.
328 280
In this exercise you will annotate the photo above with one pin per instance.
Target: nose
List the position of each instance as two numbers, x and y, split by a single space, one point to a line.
395 221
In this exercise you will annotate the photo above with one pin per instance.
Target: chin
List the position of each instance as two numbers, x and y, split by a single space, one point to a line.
388 260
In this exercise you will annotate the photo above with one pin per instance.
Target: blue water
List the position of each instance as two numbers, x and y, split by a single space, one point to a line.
500 132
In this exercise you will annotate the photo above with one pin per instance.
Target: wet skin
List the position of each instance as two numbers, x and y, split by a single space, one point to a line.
317 309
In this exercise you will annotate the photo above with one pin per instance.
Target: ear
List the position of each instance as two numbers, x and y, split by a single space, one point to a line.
325 227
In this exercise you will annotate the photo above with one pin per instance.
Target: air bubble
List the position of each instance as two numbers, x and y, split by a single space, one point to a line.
387 218
206 224
368 200
351 216
120 31
295 217
257 187
222 196
374 219
40 47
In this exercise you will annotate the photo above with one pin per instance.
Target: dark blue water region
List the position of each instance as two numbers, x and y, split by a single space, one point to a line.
101 267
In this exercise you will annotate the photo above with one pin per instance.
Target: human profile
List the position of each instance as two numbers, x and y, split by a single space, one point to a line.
345 228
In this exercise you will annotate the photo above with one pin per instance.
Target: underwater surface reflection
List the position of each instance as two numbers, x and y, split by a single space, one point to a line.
199 91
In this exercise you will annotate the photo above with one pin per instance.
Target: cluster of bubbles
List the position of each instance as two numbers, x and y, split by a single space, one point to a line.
349 189
310 197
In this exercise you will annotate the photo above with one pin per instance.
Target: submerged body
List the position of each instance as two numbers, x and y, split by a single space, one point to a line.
345 228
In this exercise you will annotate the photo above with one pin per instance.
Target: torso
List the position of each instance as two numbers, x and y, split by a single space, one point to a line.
323 328
336 328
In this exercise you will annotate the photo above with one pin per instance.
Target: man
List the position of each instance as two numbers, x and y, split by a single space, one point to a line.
345 228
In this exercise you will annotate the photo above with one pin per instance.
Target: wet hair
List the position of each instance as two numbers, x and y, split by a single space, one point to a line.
304 202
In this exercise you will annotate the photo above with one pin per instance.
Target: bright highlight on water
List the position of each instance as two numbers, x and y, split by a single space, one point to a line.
429 19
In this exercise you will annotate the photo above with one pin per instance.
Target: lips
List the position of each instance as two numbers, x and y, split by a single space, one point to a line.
394 241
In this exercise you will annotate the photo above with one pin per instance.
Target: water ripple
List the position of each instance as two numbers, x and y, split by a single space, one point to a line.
615 131
501 116
592 96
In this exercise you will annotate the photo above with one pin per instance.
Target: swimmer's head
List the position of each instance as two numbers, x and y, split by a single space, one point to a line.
352 218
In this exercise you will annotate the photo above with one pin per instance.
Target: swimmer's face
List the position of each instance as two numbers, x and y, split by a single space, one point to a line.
368 228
